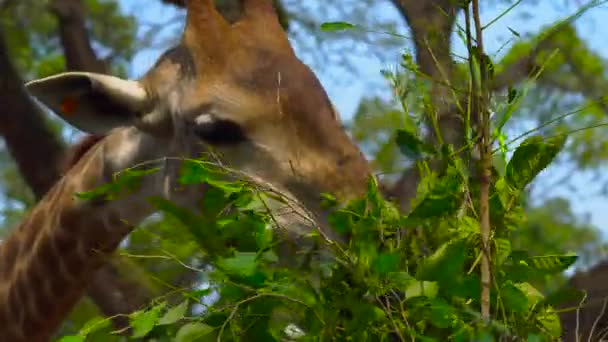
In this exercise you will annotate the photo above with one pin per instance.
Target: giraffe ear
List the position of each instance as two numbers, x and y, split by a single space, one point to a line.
93 103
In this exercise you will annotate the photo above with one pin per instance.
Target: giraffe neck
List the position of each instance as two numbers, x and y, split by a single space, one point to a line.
46 262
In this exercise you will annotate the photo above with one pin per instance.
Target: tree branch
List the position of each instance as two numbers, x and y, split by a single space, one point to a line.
481 99
431 23
79 53
178 3
35 149
38 153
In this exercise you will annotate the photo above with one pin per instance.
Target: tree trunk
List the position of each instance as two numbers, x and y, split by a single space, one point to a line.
39 153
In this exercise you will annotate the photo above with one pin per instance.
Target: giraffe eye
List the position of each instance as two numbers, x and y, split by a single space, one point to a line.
219 132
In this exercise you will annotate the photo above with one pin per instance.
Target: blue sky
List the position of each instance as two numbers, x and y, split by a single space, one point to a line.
527 18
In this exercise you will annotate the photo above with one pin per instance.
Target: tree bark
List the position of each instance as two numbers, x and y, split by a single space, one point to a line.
35 149
431 23
39 153
77 49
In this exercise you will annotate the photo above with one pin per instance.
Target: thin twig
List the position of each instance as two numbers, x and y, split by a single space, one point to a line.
388 310
578 318
481 100
597 319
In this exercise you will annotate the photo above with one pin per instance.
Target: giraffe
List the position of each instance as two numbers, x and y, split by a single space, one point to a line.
236 89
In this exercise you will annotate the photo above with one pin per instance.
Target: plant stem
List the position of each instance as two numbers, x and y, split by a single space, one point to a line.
486 166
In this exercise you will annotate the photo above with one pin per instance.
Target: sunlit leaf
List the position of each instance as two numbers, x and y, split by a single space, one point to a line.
503 250
192 332
174 314
441 313
124 183
550 322
143 322
386 262
427 289
75 338
411 146
531 157
336 26
551 264
514 298
445 265
242 264
442 199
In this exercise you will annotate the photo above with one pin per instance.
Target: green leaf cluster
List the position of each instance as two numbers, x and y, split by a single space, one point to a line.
414 275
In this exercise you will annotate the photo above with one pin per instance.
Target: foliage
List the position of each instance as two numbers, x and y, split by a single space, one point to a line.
568 232
30 30
379 284
565 96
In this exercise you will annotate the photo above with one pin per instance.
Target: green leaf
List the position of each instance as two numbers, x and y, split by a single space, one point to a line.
442 199
198 294
512 94
551 264
375 202
124 183
75 338
243 264
427 289
531 157
514 298
515 33
534 296
411 146
298 291
504 192
386 262
441 313
174 314
468 227
197 225
197 172
270 256
328 201
336 26
341 221
503 250
400 280
550 322
445 265
143 322
94 324
193 332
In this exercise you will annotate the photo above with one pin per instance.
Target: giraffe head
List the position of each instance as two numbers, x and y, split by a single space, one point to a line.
235 89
